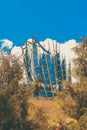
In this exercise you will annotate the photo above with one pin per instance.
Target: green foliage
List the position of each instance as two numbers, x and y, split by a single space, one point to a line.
78 91
13 96
81 60
10 72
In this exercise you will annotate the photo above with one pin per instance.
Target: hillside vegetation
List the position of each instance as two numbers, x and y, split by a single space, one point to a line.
20 111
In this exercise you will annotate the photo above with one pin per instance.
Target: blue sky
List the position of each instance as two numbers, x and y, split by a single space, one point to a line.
56 19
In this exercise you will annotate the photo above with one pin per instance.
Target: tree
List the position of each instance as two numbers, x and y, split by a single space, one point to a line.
78 91
14 97
81 61
81 70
